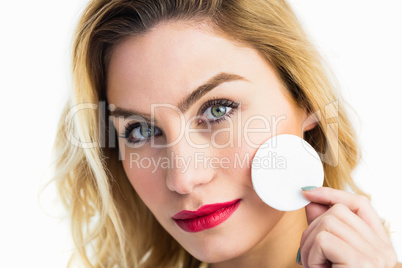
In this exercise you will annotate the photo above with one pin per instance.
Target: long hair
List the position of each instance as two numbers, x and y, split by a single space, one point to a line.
111 226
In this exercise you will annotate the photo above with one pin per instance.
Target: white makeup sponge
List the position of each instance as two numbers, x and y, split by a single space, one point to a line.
281 166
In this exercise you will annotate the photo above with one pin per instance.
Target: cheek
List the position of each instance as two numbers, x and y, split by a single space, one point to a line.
145 178
237 160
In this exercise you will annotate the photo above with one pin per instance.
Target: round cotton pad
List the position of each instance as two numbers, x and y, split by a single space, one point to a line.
281 166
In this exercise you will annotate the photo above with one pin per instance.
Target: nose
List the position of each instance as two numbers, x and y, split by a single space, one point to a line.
189 166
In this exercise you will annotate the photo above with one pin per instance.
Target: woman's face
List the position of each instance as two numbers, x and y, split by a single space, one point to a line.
202 155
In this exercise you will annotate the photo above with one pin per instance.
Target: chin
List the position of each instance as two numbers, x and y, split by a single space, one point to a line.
216 250
214 256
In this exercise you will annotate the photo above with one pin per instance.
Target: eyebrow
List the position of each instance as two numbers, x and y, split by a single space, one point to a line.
187 102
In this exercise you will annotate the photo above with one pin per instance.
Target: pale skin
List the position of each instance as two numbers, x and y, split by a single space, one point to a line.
166 65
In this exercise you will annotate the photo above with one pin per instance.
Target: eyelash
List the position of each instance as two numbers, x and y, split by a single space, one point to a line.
129 128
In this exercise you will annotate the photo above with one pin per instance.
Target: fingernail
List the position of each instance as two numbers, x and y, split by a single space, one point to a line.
298 258
308 188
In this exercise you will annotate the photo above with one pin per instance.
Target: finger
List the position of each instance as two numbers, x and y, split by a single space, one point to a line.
344 214
328 247
358 204
331 224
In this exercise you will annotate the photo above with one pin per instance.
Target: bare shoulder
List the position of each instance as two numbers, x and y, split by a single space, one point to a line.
398 265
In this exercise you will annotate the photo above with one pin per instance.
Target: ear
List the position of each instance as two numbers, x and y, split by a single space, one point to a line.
310 122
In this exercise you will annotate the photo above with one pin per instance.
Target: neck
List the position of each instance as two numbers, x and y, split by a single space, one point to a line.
277 249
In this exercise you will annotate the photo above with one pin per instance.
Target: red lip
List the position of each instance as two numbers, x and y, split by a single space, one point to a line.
206 217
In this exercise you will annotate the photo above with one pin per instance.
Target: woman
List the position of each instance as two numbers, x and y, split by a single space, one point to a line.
171 101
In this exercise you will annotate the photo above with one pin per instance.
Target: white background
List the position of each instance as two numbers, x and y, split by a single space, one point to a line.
362 41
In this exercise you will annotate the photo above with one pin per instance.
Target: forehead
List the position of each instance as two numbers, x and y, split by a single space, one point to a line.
167 63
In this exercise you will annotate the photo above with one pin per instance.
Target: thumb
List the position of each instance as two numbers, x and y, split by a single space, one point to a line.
314 210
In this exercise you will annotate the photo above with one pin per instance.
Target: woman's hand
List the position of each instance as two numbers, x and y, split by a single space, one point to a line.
344 231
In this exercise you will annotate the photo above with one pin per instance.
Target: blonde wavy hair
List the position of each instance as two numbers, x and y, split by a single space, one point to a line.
111 226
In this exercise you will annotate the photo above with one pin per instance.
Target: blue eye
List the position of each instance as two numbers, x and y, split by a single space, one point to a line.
214 110
139 132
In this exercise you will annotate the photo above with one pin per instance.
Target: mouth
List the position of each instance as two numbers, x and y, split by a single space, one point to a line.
206 217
